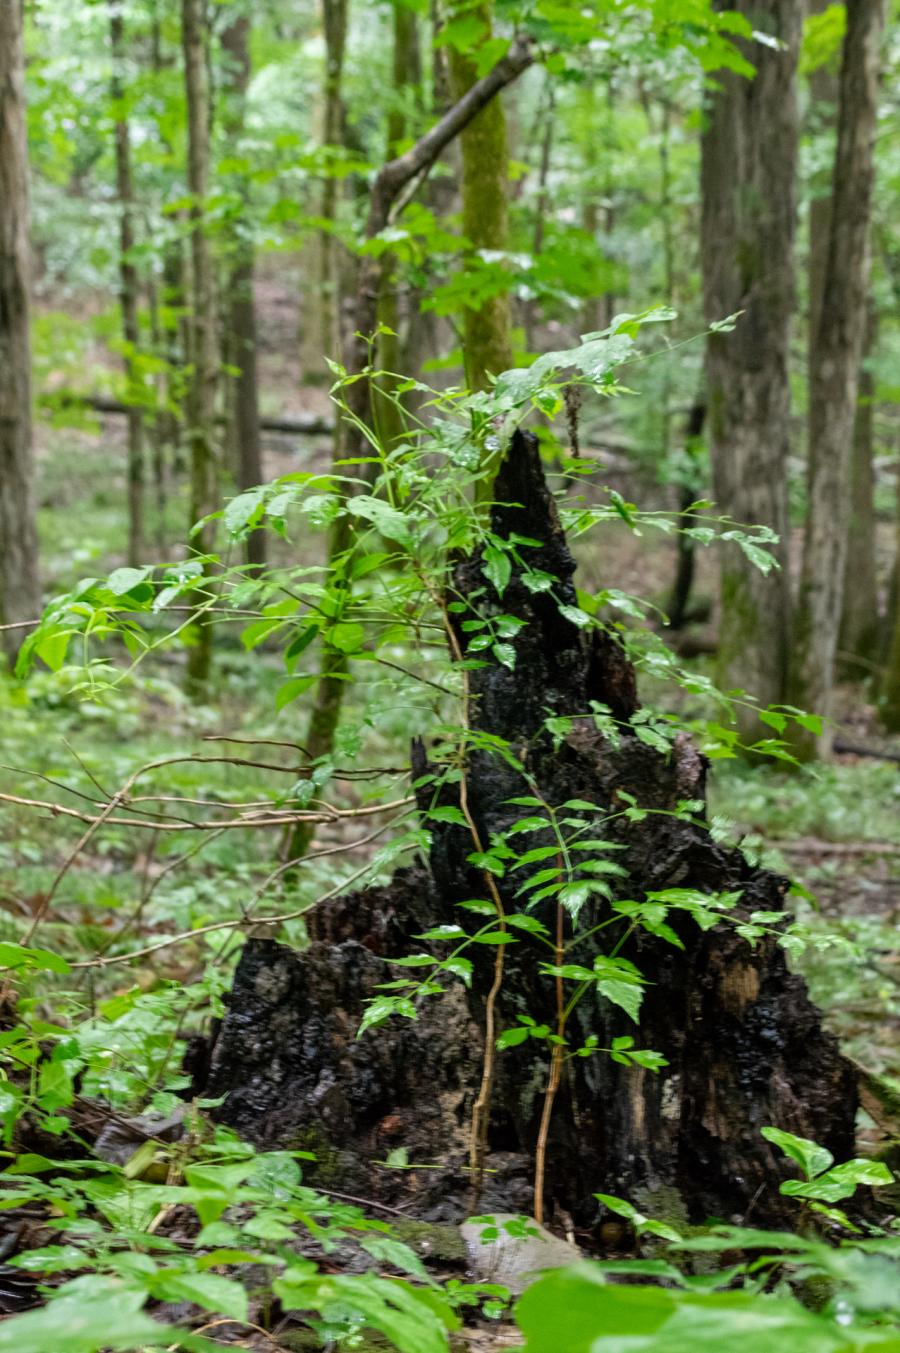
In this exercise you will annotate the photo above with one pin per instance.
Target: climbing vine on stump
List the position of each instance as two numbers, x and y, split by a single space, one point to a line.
661 1091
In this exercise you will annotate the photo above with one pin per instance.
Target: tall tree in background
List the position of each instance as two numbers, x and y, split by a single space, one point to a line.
858 639
19 588
407 76
327 303
748 171
889 693
201 391
859 608
239 318
837 348
485 180
128 285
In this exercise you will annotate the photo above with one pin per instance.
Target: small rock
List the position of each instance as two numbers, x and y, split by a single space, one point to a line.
514 1260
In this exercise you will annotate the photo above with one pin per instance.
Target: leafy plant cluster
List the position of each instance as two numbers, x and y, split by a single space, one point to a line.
401 513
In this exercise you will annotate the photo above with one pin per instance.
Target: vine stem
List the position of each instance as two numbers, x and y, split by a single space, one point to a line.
556 1066
481 1109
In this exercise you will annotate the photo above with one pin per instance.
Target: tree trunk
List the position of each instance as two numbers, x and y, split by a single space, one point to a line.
599 208
19 586
889 693
686 546
201 392
834 375
487 340
544 129
388 416
744 1046
749 152
128 288
240 313
824 92
159 421
860 619
334 23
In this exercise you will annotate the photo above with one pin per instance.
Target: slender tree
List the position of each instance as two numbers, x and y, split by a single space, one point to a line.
860 623
322 312
168 326
824 91
128 285
407 77
599 151
835 362
485 179
748 169
889 693
547 126
19 587
859 610
240 336
889 685
201 392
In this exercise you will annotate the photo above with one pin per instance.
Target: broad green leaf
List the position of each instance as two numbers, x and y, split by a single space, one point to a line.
511 1038
497 567
404 1316
75 1324
346 636
811 1157
599 1317
386 519
19 956
123 580
448 814
221 1296
625 995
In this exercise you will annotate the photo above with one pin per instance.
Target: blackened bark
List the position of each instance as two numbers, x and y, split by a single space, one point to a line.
745 1047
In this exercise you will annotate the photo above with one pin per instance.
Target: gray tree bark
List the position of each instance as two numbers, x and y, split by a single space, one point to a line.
748 170
860 620
128 287
19 586
240 313
201 393
889 692
835 361
334 22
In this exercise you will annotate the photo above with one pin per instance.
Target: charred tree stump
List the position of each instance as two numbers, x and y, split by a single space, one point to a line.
744 1045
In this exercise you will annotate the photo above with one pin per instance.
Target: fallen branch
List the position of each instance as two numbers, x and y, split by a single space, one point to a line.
807 845
300 425
844 748
274 819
